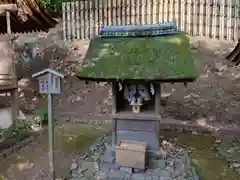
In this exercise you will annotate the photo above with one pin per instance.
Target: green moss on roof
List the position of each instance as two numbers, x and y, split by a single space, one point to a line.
151 58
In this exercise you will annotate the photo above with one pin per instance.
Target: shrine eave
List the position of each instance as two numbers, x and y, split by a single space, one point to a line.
178 80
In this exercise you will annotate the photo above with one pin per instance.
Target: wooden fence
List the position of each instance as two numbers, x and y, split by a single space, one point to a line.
216 19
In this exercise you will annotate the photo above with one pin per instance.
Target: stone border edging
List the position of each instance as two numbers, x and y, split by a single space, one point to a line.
169 123
21 144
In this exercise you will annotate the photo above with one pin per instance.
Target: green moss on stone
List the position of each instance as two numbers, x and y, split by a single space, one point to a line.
150 58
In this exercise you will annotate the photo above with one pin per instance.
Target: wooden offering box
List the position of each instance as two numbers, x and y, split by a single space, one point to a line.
131 154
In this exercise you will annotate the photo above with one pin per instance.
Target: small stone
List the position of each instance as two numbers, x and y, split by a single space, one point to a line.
171 163
161 163
236 165
74 165
82 170
96 166
84 156
218 141
95 158
126 169
74 173
101 176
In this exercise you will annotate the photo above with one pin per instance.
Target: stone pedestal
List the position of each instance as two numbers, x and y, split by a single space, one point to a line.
137 130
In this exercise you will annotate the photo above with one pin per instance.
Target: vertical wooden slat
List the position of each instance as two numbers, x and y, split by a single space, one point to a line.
171 10
195 17
114 12
123 12
189 16
149 12
237 20
91 16
99 20
222 19
82 19
86 28
201 17
134 12
118 8
208 16
177 13
109 13
73 23
128 12
104 5
142 11
145 11
95 16
165 11
154 12
131 10
214 19
77 19
69 36
139 10
229 20
161 9
64 29
183 15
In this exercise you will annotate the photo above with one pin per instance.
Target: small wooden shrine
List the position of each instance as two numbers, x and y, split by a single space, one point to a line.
136 60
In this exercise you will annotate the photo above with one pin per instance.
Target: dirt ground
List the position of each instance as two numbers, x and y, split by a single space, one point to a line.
214 97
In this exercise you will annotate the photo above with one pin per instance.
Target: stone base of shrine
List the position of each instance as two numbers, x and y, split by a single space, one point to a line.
171 163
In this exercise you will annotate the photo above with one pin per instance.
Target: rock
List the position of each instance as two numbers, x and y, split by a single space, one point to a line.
74 173
236 165
84 156
127 169
74 165
161 163
171 163
218 141
101 176
96 166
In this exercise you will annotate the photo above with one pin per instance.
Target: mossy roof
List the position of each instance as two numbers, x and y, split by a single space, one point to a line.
161 58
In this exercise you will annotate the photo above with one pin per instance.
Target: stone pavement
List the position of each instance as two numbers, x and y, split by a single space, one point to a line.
172 163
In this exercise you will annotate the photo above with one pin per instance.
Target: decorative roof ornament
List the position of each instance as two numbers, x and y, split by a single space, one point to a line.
139 30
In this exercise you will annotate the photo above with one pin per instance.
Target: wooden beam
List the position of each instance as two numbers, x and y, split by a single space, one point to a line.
8 19
8 7
114 110
15 105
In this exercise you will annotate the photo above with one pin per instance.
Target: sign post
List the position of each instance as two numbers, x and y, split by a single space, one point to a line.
50 136
49 83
